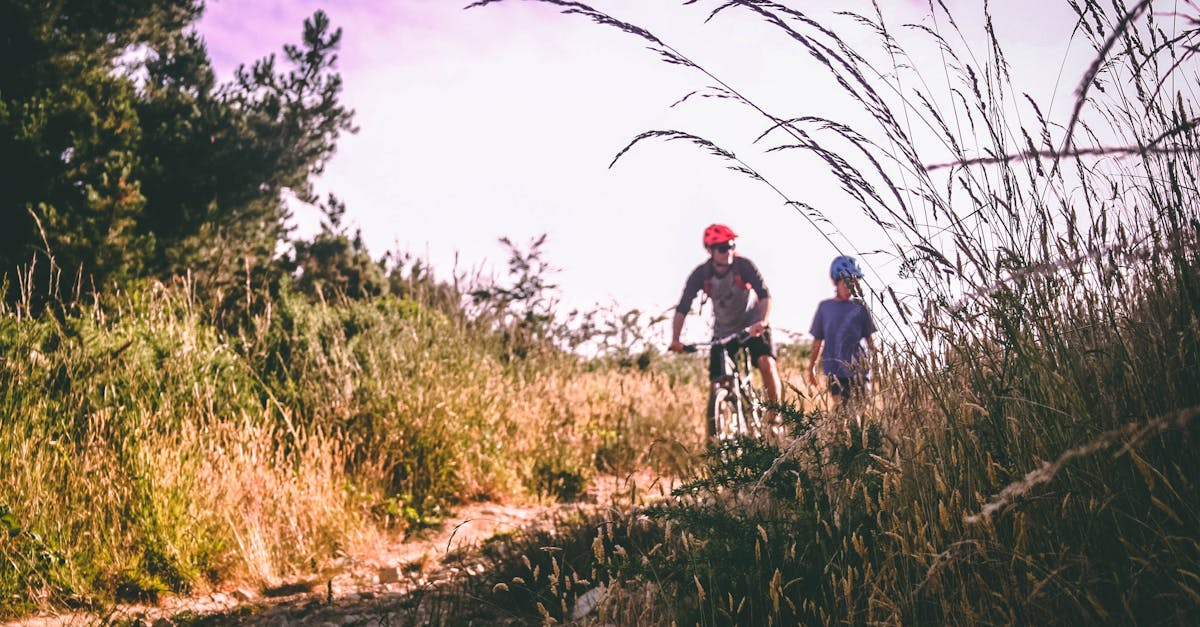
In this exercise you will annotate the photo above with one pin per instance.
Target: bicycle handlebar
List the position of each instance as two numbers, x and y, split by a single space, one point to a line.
739 336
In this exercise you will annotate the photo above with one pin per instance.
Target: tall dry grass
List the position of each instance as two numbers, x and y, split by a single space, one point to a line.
1029 457
147 449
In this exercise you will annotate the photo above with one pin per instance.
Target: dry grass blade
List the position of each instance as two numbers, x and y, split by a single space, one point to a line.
1085 84
669 135
1150 149
1129 436
854 179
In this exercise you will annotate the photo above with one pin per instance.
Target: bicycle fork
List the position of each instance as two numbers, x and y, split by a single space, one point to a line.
726 391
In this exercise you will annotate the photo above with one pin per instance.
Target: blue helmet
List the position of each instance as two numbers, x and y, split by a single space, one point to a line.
845 267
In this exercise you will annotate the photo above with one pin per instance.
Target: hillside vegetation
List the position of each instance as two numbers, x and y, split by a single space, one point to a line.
147 449
1028 456
189 395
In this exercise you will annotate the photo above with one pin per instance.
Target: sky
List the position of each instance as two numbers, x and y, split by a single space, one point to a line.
502 121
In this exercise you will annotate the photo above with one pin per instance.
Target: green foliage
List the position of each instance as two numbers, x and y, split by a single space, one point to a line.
69 132
334 264
411 440
124 158
762 517
219 160
152 446
414 281
31 565
136 586
523 309
542 573
552 477
754 540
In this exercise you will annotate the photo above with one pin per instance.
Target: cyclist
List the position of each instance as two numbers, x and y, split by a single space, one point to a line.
740 300
838 329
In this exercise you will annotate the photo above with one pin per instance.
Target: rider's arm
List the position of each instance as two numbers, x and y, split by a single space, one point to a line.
818 332
751 275
694 283
816 359
676 330
868 333
764 314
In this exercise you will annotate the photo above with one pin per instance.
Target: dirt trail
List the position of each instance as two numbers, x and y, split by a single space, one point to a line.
387 588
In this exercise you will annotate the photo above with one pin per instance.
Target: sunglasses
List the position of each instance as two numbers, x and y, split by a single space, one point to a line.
722 248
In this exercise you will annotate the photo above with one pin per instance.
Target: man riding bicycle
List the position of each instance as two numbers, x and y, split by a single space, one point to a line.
740 300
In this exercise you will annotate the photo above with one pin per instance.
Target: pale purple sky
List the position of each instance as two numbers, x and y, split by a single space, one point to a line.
502 120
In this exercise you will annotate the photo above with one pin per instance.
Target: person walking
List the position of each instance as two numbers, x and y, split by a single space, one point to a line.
840 328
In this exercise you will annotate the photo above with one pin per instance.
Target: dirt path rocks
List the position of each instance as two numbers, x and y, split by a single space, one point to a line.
410 583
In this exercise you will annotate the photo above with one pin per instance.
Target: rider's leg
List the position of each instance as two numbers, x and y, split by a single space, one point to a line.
762 353
854 400
846 391
710 412
772 386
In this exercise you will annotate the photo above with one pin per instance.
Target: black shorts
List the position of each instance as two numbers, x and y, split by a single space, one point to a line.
758 346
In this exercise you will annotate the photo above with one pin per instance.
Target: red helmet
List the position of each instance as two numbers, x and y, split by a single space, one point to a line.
717 234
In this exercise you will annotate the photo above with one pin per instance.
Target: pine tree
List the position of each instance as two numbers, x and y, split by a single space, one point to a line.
69 131
218 161
124 157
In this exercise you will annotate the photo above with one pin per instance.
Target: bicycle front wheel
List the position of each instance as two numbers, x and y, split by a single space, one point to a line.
753 410
723 416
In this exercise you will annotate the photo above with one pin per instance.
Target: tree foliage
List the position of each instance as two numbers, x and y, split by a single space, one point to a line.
334 263
126 158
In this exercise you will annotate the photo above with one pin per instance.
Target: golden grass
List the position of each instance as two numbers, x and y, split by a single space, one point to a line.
194 457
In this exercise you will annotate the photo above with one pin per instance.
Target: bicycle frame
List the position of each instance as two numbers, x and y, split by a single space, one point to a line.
734 406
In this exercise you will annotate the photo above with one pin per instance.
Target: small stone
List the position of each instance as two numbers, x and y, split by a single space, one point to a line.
587 602
243 595
390 574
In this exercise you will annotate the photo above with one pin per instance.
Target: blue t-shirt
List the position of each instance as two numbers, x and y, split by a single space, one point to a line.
842 325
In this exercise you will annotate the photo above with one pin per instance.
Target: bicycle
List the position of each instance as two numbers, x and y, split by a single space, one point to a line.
735 407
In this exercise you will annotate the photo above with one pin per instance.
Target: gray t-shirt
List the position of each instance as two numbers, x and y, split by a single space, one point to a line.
734 295
842 325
